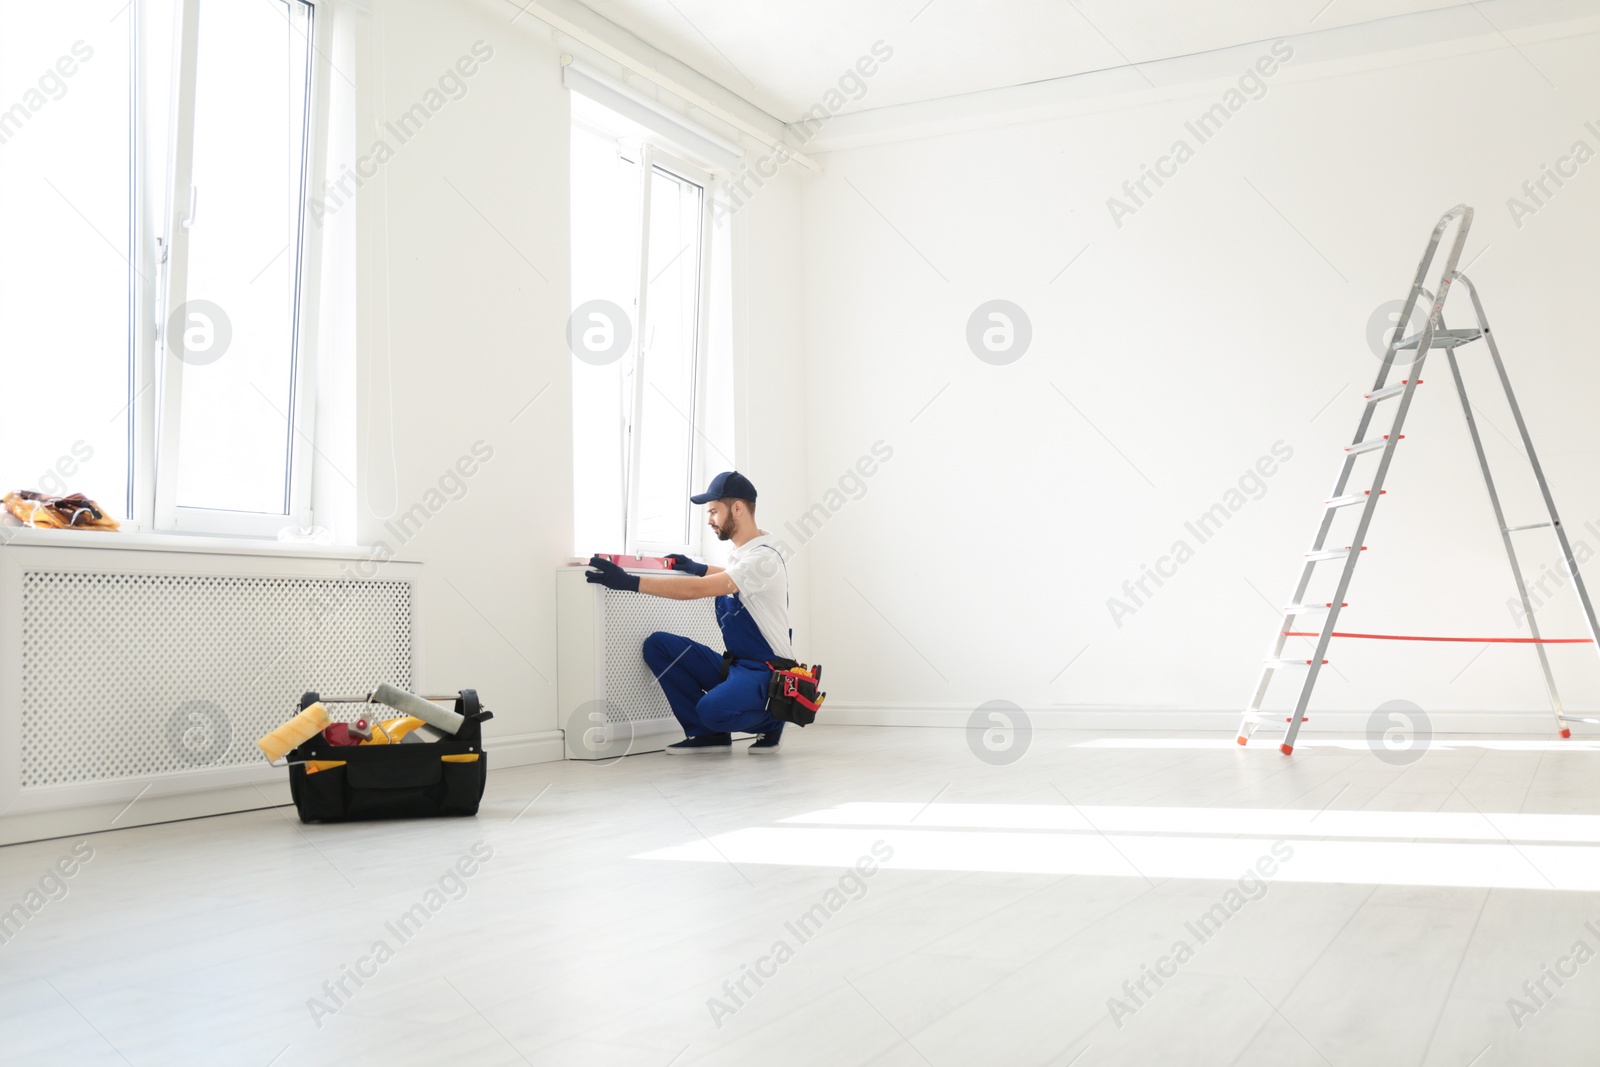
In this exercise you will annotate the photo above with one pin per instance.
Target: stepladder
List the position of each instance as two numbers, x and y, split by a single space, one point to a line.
1380 440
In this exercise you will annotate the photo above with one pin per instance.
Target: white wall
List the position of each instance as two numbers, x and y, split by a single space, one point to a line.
1222 317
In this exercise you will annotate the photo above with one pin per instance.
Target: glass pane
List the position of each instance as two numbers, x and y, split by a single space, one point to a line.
605 268
672 311
238 315
65 277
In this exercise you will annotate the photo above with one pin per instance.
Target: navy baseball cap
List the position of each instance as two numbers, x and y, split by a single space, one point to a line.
729 485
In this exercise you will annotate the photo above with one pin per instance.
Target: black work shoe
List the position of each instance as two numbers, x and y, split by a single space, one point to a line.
766 743
705 743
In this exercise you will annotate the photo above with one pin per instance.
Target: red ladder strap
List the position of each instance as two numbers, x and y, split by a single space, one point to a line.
1469 640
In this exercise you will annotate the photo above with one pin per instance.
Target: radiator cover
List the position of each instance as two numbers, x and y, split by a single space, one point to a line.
610 703
128 675
137 669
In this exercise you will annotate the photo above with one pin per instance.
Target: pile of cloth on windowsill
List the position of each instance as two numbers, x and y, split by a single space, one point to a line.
75 512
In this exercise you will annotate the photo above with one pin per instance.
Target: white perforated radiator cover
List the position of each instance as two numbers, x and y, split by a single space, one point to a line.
129 675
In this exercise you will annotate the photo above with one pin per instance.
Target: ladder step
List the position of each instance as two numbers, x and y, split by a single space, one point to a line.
1276 663
1310 609
1387 392
1530 526
1347 501
1442 339
1331 553
1369 446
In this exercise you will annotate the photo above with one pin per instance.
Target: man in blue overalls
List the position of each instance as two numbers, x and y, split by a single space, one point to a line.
752 611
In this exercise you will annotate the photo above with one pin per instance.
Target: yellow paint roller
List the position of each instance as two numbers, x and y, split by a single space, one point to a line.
303 727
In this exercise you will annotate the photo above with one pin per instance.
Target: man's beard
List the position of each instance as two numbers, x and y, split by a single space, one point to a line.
725 531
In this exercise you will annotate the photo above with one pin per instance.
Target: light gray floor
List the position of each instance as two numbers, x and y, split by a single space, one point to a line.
1016 901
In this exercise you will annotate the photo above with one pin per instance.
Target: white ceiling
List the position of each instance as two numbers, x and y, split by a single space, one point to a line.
783 55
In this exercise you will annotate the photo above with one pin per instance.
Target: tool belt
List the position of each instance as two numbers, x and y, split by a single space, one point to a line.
792 688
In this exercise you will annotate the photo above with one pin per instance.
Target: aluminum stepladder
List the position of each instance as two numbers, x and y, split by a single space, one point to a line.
1432 335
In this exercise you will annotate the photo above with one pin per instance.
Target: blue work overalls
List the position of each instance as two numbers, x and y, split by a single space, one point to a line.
691 675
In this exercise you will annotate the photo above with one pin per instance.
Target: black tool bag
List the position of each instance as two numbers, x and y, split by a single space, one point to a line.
793 693
398 781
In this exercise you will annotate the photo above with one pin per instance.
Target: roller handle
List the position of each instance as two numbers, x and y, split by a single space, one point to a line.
467 699
367 698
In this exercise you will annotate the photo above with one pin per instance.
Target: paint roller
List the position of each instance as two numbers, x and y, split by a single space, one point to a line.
298 730
445 719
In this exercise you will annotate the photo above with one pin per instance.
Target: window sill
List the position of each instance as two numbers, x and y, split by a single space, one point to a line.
27 536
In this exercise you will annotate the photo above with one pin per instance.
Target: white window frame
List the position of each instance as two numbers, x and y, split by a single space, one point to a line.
161 371
650 158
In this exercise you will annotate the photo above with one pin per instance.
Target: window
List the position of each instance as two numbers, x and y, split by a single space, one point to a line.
228 447
67 276
667 415
157 317
639 236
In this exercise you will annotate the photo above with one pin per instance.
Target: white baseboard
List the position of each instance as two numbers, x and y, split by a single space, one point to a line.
1502 721
521 750
153 807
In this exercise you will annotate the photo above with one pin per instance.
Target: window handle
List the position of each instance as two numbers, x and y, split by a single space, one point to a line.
194 197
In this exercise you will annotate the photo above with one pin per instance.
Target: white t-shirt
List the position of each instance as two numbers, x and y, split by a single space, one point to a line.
758 570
